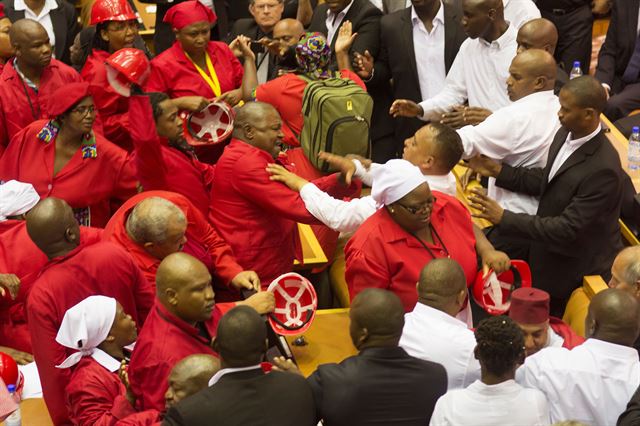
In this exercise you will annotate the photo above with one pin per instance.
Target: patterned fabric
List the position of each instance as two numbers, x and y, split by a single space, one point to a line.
51 129
313 55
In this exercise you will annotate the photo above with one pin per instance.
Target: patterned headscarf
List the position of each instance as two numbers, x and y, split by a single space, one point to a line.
313 55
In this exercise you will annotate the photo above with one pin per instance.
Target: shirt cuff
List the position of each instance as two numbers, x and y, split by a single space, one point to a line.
361 172
428 113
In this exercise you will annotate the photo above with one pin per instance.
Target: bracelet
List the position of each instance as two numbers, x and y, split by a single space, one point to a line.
373 70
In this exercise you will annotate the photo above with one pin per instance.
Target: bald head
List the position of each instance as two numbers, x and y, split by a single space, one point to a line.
538 34
53 228
377 318
178 270
241 337
251 113
442 285
531 71
189 376
625 271
259 124
287 32
614 316
31 43
483 19
23 30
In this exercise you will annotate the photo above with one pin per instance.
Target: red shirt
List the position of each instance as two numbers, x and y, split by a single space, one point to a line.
82 182
203 241
99 269
112 107
174 74
161 167
381 254
20 256
95 396
16 110
285 94
258 216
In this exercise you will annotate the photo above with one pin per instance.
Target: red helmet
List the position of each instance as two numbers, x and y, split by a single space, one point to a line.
210 126
125 67
8 370
111 10
493 292
296 304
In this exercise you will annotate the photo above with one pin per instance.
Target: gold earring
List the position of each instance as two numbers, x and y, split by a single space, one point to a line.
392 210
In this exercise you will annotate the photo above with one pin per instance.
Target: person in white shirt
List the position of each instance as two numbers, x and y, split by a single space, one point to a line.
433 333
593 382
495 399
478 74
519 12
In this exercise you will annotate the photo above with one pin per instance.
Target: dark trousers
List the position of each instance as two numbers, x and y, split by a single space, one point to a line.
574 37
625 124
623 102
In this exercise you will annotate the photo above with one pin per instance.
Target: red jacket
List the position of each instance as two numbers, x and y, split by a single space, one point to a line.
88 182
112 107
96 396
203 241
161 167
382 254
99 269
16 112
562 329
20 256
258 216
174 74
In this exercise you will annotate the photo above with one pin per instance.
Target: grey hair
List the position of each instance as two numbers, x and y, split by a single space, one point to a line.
149 220
631 273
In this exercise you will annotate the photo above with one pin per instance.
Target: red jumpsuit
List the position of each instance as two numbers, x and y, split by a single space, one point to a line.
258 216
99 269
91 183
381 254
16 109
203 241
20 256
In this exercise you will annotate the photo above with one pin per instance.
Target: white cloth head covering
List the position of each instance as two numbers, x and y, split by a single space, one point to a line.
393 180
85 326
16 198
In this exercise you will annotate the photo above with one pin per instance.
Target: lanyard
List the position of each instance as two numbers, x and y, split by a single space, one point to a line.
439 240
211 78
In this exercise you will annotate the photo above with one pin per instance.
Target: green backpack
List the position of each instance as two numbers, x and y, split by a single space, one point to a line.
337 113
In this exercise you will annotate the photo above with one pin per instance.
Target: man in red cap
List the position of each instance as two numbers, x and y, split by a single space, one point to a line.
530 310
30 79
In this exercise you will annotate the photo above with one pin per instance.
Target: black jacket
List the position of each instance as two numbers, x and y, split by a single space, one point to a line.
248 27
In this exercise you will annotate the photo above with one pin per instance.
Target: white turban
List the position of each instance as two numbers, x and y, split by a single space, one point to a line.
393 180
16 198
85 326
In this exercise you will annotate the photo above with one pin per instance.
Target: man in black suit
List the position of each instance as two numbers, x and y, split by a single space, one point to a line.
382 384
241 393
619 60
64 20
575 231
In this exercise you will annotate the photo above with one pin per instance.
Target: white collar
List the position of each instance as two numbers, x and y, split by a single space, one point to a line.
536 96
415 19
48 5
504 40
613 350
343 11
507 386
581 141
216 377
438 315
105 360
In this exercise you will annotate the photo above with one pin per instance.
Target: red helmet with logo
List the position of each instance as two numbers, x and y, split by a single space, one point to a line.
111 10
8 370
493 292
296 304
212 125
126 67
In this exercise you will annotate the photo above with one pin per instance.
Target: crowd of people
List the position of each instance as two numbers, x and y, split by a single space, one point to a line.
137 261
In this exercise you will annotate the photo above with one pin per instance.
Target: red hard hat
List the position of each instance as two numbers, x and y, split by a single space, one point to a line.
493 292
8 370
210 126
296 304
125 67
111 10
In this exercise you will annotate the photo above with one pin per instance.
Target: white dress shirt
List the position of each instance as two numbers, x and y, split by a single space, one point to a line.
44 18
335 20
518 135
519 12
428 49
554 340
569 147
478 74
591 383
216 377
435 336
504 404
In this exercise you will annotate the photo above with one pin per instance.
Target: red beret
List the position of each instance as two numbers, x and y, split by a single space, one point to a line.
529 306
65 97
187 13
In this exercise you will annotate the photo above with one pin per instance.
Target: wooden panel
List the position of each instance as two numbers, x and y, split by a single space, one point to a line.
34 413
147 13
621 144
312 253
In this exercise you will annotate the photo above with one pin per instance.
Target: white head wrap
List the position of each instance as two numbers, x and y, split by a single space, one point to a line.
16 198
393 180
85 326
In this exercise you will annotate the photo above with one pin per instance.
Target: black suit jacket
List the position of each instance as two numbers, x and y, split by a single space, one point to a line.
382 386
619 43
248 398
65 25
397 60
575 231
631 416
249 27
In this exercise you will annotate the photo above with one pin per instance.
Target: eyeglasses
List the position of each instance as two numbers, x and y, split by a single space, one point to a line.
84 110
421 208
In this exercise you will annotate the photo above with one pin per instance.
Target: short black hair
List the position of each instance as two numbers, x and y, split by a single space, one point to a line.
241 337
98 42
588 92
156 98
500 344
449 145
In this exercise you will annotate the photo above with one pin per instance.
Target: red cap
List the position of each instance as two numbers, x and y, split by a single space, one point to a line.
131 63
65 97
529 306
111 10
8 369
296 304
187 13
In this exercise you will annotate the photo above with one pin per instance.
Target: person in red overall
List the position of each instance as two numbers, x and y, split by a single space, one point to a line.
6 50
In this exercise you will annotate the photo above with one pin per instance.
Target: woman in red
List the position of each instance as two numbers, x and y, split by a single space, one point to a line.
116 28
64 158
6 50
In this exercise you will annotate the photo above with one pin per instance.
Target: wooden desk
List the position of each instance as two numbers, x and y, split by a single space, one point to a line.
34 413
327 339
312 253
